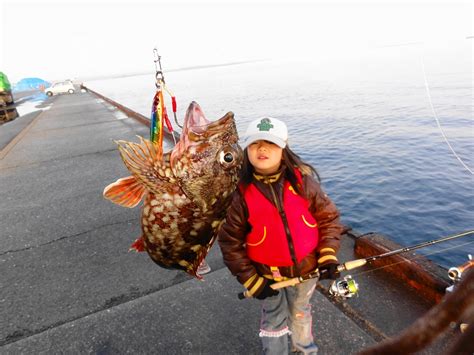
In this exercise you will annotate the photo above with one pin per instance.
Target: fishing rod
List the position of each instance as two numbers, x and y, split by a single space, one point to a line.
348 287
418 246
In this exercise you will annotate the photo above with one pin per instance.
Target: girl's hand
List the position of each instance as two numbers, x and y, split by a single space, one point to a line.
329 271
266 291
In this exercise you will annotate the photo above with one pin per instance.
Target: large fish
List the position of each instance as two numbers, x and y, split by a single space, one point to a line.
186 191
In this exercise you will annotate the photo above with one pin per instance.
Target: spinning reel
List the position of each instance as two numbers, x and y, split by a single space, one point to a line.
345 288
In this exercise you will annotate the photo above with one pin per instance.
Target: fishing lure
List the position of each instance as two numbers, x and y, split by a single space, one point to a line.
159 113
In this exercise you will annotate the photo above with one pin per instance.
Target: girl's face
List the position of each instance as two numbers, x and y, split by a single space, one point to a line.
265 157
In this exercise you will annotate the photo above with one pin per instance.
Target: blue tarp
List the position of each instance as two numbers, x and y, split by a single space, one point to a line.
30 84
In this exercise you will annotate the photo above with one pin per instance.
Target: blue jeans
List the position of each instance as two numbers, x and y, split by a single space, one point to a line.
289 312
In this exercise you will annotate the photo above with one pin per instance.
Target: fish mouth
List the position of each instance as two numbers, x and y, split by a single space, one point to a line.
195 120
197 128
196 123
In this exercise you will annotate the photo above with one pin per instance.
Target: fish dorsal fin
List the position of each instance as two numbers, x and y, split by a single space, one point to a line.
126 192
147 164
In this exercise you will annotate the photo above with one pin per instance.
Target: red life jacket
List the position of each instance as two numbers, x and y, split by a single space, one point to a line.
267 242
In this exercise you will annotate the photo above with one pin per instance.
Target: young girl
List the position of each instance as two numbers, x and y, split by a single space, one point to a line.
280 225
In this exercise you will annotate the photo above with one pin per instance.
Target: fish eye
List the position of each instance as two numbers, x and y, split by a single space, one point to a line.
226 157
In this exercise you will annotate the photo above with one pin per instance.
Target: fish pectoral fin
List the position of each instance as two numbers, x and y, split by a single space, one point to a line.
126 192
146 162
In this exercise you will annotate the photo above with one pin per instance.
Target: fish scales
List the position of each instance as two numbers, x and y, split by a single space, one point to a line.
186 192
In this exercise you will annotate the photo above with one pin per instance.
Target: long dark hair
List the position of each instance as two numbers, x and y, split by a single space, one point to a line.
290 161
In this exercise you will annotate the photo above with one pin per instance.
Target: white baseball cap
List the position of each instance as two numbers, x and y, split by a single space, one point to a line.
268 129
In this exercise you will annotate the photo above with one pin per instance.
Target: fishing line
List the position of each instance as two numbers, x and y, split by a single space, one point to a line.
437 119
414 258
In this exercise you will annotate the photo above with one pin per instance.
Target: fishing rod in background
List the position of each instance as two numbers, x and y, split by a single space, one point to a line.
347 287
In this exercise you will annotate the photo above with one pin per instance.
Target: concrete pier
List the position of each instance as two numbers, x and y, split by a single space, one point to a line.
69 284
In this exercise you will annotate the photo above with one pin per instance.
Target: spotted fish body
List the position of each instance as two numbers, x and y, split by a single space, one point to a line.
186 191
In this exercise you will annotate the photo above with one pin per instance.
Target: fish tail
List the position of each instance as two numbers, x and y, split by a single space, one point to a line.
126 192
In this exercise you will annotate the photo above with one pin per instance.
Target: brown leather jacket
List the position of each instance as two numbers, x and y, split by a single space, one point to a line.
233 232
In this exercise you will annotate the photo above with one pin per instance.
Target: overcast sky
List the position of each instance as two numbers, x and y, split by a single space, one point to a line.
55 40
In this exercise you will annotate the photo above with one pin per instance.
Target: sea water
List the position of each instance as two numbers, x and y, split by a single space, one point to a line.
367 126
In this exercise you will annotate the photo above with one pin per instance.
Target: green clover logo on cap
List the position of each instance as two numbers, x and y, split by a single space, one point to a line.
265 125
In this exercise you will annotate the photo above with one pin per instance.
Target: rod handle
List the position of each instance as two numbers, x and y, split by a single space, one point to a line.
290 282
352 264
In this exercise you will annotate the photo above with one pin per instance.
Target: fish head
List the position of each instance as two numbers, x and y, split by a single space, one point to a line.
207 159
